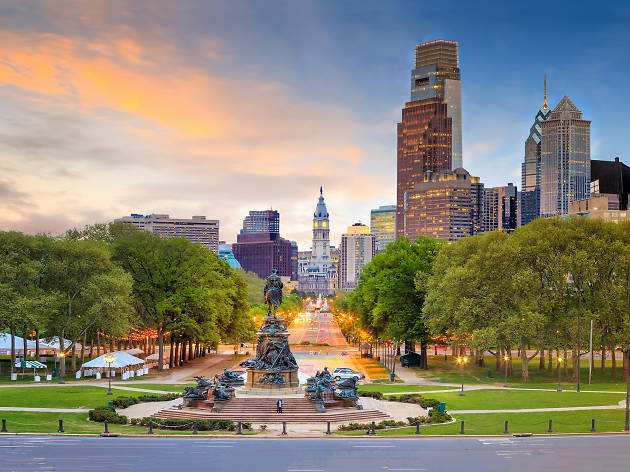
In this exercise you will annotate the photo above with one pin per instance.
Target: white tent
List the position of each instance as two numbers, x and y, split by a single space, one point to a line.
53 343
121 360
134 352
5 343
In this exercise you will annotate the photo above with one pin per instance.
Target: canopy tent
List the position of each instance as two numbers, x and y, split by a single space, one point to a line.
53 343
121 360
156 356
5 344
134 352
31 365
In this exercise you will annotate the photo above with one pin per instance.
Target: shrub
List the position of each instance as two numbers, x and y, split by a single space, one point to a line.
433 418
377 395
416 399
106 413
186 424
124 402
159 397
365 426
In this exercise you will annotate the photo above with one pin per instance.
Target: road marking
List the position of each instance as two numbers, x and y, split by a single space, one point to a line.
373 446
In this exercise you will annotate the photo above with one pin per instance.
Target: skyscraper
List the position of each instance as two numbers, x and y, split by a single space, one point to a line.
565 166
265 221
383 225
530 169
500 208
429 134
263 252
358 246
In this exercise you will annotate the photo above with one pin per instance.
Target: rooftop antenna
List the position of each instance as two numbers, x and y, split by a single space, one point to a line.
545 102
321 191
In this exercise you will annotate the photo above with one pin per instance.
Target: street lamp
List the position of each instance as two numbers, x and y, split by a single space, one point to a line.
462 361
506 358
109 360
62 368
559 369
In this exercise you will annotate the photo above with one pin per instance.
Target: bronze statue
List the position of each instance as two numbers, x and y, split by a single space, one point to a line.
273 292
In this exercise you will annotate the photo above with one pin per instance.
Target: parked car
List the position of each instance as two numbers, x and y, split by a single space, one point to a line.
344 373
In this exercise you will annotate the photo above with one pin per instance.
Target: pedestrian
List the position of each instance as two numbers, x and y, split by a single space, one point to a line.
279 406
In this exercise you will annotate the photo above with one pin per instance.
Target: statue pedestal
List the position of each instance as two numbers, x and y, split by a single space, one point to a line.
274 370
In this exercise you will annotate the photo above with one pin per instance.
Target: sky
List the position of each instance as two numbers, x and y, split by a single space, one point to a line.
109 108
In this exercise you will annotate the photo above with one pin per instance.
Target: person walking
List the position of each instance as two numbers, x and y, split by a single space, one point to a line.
279 406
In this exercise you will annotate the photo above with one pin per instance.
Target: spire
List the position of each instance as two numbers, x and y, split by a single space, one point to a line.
545 103
321 191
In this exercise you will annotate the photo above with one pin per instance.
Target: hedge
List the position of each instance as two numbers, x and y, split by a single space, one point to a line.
186 424
377 395
125 402
108 413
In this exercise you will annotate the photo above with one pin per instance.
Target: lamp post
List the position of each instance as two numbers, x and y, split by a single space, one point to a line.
559 369
62 355
505 359
462 361
109 360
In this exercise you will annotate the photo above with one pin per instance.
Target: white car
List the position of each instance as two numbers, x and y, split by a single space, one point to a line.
344 373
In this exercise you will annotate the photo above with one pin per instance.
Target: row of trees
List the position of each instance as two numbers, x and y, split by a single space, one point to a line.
103 281
502 292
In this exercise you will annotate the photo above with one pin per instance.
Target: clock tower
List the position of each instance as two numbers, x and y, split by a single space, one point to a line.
320 257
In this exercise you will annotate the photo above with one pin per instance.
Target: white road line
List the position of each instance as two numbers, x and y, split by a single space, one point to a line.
373 446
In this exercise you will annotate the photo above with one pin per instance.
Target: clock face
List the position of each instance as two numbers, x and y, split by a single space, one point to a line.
314 224
324 224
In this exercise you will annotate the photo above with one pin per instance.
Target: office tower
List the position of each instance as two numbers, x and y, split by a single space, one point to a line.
500 208
358 246
294 260
565 166
197 229
530 169
265 221
429 134
315 277
225 253
383 225
262 252
445 205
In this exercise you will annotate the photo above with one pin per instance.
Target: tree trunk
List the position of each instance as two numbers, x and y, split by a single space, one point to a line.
161 349
25 346
171 354
182 357
62 359
510 366
37 356
190 350
613 358
566 365
74 358
409 346
424 355
497 360
12 347
98 344
541 360
625 366
550 360
83 349
603 361
524 364
574 363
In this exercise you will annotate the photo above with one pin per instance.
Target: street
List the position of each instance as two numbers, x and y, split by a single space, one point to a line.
578 453
316 328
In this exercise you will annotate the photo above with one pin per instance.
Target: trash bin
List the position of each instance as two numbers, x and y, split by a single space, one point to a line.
54 372
110 403
442 407
489 374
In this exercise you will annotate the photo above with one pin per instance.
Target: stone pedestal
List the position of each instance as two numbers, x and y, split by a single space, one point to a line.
274 369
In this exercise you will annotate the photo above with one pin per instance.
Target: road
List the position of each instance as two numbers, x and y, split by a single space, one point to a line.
317 328
578 453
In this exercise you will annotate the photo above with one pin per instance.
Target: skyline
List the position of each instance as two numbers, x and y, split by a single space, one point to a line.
217 110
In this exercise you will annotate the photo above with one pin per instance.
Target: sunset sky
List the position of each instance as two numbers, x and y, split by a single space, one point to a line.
217 108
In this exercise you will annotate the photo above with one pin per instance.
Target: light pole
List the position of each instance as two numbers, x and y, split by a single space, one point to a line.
62 369
505 358
109 360
559 370
462 361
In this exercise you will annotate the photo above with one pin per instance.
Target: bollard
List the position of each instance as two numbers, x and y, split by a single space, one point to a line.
592 425
373 429
150 427
461 431
327 427
417 427
106 430
4 426
284 427
60 430
195 430
240 428
550 430
506 428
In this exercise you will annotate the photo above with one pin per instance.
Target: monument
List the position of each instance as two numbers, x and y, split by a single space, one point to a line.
274 369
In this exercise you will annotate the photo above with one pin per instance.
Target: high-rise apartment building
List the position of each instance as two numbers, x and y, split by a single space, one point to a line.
262 252
445 205
358 246
530 169
429 134
500 208
565 167
383 225
197 229
265 221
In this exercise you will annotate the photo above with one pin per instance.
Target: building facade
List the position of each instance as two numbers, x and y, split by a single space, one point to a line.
500 208
225 253
429 134
315 276
262 252
358 246
196 229
530 169
446 205
612 179
565 168
383 225
265 221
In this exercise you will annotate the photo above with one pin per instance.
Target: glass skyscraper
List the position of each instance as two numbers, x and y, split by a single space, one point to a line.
565 166
265 221
383 225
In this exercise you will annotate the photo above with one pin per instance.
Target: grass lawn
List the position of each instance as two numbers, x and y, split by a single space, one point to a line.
373 368
494 423
59 397
176 388
77 423
400 388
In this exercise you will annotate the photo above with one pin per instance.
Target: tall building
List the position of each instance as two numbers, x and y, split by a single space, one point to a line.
383 225
197 229
225 253
315 277
565 166
530 169
358 246
262 252
500 208
446 205
265 221
429 134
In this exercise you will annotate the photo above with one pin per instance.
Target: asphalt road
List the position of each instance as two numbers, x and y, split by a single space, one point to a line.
317 328
578 453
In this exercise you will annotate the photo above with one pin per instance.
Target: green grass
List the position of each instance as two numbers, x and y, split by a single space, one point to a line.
400 388
77 423
59 397
493 423
176 388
